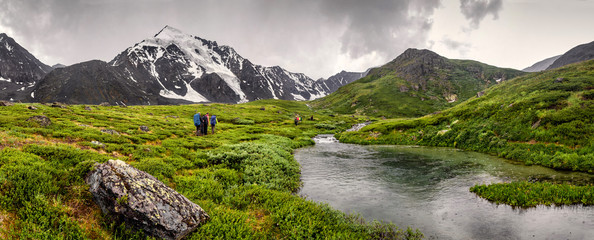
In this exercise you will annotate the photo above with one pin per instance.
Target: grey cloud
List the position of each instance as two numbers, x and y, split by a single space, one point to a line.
383 26
461 47
476 10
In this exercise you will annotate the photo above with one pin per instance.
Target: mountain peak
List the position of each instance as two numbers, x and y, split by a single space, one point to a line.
413 53
169 32
4 37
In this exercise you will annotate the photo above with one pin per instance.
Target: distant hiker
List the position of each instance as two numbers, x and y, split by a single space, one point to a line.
197 123
296 120
311 118
213 122
204 124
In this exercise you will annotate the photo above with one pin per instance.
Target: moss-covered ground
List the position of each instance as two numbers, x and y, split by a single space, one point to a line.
244 175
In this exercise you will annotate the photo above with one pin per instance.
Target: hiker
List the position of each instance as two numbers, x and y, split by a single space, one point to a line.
204 124
213 122
311 118
296 120
197 120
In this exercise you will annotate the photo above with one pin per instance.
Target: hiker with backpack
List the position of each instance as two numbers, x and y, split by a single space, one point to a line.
204 124
213 122
197 121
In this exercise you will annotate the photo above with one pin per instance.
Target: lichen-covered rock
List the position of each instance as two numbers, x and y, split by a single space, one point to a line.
110 131
142 201
43 121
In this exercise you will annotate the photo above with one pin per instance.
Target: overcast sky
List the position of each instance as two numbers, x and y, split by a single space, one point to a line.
315 37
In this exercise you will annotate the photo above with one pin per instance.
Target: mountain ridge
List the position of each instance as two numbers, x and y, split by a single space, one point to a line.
582 52
415 83
184 68
541 65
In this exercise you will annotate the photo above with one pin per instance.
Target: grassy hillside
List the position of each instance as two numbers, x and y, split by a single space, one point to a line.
544 118
244 176
416 83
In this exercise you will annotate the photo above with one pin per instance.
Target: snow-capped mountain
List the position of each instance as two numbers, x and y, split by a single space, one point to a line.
173 67
340 79
19 70
180 66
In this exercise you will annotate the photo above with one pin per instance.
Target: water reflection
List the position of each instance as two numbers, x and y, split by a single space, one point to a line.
427 188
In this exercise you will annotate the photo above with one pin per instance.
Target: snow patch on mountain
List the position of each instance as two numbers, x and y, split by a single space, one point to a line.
8 47
191 95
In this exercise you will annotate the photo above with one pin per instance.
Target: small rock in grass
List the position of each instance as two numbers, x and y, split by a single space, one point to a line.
144 128
110 131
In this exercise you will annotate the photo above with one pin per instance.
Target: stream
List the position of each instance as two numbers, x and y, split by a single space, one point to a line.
427 188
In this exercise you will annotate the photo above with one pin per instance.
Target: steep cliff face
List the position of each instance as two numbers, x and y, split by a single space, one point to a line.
19 70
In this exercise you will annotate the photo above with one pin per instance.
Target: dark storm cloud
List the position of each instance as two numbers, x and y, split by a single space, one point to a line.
477 10
310 36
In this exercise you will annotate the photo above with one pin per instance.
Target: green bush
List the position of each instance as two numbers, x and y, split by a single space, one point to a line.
227 224
262 164
63 156
241 121
156 167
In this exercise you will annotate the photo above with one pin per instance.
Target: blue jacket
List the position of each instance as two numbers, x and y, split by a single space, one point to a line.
197 119
213 120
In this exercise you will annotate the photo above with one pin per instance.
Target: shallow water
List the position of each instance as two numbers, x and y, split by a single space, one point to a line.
428 189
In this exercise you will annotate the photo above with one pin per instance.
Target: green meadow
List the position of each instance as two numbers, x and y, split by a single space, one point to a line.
244 175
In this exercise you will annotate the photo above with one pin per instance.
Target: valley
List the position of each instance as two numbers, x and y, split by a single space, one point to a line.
57 123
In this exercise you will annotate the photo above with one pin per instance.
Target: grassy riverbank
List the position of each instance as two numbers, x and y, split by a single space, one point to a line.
528 194
543 118
244 176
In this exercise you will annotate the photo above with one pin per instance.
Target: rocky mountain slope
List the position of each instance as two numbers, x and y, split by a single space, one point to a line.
19 70
416 83
340 79
92 82
577 54
542 65
174 67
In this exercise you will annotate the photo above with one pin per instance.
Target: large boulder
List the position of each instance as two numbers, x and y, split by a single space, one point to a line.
142 201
